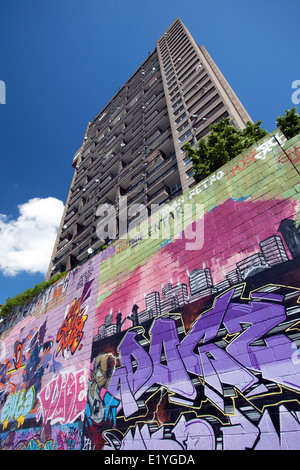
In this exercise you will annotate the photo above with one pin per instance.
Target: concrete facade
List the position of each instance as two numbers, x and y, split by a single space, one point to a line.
134 147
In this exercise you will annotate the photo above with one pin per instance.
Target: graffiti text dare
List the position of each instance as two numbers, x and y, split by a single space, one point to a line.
245 350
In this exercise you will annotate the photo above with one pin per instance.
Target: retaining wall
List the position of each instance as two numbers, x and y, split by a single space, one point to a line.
172 343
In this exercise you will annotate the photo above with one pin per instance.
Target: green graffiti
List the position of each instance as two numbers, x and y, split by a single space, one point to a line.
18 406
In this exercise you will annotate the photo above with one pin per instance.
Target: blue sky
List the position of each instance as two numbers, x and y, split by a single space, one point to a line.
62 61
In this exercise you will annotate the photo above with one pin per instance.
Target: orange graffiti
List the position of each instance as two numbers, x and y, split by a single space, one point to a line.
71 332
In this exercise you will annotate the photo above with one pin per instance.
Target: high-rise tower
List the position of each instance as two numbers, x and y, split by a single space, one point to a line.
134 147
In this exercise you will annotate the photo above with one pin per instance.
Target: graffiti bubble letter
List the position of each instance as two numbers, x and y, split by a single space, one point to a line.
2 92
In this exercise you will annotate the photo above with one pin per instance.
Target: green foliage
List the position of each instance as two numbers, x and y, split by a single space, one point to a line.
289 124
222 144
226 142
27 296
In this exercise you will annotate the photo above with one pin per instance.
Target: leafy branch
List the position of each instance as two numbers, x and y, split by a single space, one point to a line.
225 142
222 144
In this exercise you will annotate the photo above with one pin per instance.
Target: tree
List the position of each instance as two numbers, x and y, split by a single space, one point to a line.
289 124
222 144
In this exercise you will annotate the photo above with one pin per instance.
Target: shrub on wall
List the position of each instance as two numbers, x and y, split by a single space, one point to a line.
225 142
27 296
222 144
289 124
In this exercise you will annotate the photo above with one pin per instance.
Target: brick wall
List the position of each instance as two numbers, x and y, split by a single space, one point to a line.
182 337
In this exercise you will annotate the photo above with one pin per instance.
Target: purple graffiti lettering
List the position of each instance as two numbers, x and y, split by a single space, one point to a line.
252 348
119 388
150 371
130 349
172 374
251 321
249 345
204 329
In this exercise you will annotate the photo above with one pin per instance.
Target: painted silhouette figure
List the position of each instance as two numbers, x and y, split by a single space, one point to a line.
119 321
134 316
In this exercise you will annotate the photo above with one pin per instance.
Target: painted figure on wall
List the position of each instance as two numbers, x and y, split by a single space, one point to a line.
101 405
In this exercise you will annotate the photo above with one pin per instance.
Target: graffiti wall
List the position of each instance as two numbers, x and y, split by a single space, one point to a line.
44 366
182 337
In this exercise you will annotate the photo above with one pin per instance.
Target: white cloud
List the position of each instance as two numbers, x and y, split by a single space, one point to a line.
26 243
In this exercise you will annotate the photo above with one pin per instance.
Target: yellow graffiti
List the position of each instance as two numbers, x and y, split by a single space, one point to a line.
5 423
20 420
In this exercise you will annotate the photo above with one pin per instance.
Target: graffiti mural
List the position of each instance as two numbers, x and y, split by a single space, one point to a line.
218 379
43 373
151 345
102 406
21 376
70 333
63 399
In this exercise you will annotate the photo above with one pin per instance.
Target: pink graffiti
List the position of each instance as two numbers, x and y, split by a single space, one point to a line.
68 439
63 400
